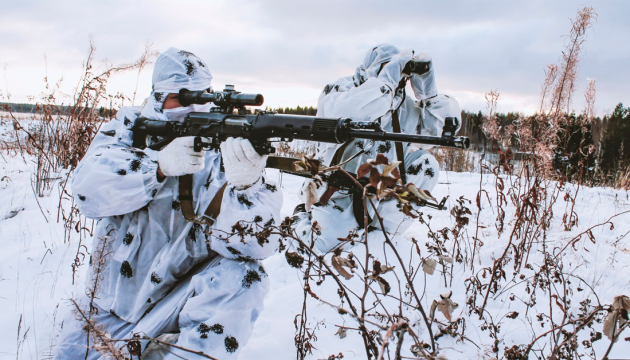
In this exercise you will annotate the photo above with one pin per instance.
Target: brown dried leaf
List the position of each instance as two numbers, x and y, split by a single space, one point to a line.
375 177
446 305
376 268
408 210
428 266
299 166
311 165
432 311
379 190
380 160
428 193
418 192
294 259
385 268
363 170
387 194
396 173
311 195
316 228
388 181
621 302
387 170
620 307
339 262
448 259
610 324
385 288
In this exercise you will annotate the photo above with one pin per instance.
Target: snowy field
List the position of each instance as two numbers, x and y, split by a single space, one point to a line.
36 277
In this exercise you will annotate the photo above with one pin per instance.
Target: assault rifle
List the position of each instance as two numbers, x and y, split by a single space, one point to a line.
230 118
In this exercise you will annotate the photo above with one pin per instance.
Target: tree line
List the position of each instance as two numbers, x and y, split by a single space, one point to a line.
604 145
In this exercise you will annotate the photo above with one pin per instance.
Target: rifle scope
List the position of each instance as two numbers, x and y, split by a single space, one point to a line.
226 98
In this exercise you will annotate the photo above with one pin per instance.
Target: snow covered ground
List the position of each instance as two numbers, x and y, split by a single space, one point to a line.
36 275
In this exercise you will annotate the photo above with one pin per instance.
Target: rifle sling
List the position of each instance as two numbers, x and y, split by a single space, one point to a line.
336 160
186 202
399 147
282 163
358 209
214 209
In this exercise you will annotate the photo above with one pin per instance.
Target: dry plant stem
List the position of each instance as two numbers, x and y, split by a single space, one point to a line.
144 60
419 343
302 331
401 337
367 254
105 341
335 277
400 261
38 204
366 286
521 218
100 256
566 86
114 352
18 126
200 353
394 327
402 264
476 239
578 236
356 317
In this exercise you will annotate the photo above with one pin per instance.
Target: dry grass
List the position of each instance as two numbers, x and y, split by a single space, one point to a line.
456 160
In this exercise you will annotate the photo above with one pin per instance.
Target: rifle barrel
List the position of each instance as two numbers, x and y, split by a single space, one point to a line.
456 141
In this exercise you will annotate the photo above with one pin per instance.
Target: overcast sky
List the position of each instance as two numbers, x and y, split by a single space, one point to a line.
288 50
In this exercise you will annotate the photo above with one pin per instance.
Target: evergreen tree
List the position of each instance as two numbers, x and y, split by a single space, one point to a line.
615 150
573 158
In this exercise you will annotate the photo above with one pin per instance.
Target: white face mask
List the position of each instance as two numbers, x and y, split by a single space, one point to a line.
178 114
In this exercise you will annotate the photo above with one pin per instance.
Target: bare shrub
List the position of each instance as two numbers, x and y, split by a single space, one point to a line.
296 149
59 135
457 160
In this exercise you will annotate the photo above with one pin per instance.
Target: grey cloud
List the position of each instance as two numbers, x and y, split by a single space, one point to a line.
476 46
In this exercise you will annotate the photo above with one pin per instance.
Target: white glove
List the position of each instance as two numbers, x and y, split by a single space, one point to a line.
243 165
179 158
391 73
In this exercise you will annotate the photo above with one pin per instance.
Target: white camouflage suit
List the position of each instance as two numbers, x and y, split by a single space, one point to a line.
159 275
370 95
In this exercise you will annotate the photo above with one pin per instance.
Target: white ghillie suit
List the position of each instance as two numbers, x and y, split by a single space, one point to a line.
160 272
370 95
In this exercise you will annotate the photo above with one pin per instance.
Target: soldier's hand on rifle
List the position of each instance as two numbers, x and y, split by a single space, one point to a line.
243 165
391 73
179 158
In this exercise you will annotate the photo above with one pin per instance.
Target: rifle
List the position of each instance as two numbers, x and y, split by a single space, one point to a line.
230 118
